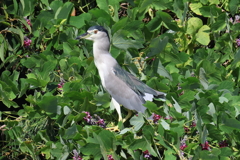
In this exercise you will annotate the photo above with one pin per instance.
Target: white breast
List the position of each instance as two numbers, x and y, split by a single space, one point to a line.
104 66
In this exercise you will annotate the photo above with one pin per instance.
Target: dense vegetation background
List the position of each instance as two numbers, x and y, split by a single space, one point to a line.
54 107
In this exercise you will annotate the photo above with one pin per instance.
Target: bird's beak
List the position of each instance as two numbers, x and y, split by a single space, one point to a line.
83 36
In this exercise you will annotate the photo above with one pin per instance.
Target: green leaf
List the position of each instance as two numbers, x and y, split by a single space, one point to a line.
168 21
10 80
190 83
2 55
226 151
79 21
145 5
180 8
157 45
226 85
154 24
120 42
203 135
162 17
144 145
236 60
49 104
233 6
71 132
92 149
220 24
47 68
234 101
177 106
151 106
19 32
210 11
24 22
15 3
137 121
102 17
202 78
27 7
138 144
207 156
185 99
165 125
102 99
195 8
111 7
107 140
169 154
214 2
159 68
65 11
148 132
29 62
66 110
193 25
214 132
9 103
119 25
230 124
203 35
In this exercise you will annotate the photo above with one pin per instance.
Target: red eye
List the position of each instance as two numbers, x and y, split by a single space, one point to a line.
95 31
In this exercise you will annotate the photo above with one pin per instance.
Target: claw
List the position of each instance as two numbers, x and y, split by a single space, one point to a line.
113 129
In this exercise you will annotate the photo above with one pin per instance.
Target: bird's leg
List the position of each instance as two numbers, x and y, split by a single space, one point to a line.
117 107
128 115
120 119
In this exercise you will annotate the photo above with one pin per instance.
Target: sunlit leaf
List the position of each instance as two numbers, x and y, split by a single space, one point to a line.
137 121
203 35
195 8
193 24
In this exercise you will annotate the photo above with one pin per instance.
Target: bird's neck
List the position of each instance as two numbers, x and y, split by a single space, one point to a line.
101 46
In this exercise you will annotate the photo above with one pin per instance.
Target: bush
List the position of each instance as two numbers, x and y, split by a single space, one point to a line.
54 107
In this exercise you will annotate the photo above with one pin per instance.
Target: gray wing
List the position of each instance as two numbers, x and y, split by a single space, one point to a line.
135 84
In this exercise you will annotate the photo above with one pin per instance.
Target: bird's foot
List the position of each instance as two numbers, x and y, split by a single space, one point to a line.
113 129
116 128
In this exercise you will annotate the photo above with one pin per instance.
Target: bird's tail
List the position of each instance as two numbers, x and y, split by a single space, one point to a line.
161 96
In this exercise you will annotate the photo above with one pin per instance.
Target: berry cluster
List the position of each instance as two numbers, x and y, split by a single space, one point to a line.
110 157
76 155
238 42
191 126
156 117
29 23
27 42
235 19
146 154
223 144
95 120
60 85
205 146
183 146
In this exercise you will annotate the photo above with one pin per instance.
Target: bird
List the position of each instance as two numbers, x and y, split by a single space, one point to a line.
124 88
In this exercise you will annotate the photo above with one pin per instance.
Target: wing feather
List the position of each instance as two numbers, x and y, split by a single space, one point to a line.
135 84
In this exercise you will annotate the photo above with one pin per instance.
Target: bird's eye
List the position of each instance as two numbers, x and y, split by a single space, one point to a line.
95 31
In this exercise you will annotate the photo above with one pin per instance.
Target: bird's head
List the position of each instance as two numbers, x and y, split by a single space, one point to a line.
94 33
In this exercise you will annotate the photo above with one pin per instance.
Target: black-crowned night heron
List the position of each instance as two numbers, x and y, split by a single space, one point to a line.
124 88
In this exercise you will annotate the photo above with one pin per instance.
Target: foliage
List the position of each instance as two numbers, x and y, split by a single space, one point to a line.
50 89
